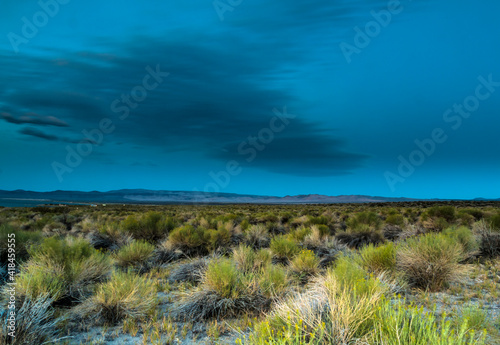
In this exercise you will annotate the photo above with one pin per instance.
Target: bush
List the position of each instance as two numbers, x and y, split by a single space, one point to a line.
378 259
364 221
223 277
125 295
224 291
326 314
495 222
244 258
477 320
305 263
151 226
274 281
359 239
189 239
79 263
446 212
35 323
23 240
136 254
397 324
38 279
430 261
257 236
218 238
284 248
464 236
189 272
395 219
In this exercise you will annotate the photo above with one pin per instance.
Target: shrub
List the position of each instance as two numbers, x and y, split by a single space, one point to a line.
151 226
364 221
430 261
35 323
189 239
446 212
464 236
360 239
218 238
397 324
378 259
274 281
495 222
23 239
244 258
223 277
477 320
38 279
284 248
136 254
224 291
257 236
300 234
80 264
125 295
395 219
305 263
189 272
327 313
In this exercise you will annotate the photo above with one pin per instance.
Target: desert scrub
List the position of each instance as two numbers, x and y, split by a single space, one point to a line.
378 259
430 261
152 226
399 324
23 239
364 221
224 292
305 263
257 236
136 255
274 281
124 295
72 260
464 236
334 314
395 219
478 321
189 239
284 248
220 238
248 260
37 279
360 236
35 323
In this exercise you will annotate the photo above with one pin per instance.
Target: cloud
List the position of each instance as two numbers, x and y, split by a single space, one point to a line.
217 94
34 119
38 134
33 132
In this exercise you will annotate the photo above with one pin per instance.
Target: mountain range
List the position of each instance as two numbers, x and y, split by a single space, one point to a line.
144 196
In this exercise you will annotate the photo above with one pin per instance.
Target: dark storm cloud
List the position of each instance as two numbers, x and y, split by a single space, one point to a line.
217 94
33 132
38 134
34 119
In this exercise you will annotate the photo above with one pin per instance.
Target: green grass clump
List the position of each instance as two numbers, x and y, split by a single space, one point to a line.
125 295
395 219
364 221
21 239
218 238
378 259
72 260
478 321
223 277
189 239
464 236
135 254
446 212
495 222
38 279
430 261
305 263
151 226
274 281
284 248
398 324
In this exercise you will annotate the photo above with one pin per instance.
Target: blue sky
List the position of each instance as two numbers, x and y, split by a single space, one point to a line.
251 96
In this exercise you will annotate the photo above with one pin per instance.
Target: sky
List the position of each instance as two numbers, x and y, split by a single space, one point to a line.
338 97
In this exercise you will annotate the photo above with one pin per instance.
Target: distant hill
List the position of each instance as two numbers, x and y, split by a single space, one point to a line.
144 196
